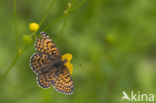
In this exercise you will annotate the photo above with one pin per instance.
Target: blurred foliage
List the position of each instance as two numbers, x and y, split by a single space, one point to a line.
113 43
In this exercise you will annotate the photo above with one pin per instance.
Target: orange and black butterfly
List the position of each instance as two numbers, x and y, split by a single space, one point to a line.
49 66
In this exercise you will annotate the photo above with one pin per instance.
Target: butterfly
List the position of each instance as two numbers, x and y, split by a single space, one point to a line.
51 70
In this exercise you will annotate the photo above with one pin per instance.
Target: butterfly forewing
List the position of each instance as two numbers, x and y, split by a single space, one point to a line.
45 44
38 61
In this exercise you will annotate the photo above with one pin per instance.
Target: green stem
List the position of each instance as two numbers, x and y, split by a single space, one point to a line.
17 44
34 34
15 23
47 13
53 22
77 6
18 54
11 65
61 17
64 24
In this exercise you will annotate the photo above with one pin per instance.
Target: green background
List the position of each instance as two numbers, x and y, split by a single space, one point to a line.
113 43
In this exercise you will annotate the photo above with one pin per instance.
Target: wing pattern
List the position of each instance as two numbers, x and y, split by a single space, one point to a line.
49 67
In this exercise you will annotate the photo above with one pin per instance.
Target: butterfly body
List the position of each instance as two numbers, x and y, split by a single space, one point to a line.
49 66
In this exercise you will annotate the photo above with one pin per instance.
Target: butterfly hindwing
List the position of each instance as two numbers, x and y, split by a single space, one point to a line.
47 79
60 79
64 82
45 44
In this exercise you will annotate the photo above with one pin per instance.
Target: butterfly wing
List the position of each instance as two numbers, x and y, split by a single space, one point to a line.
39 61
45 44
63 82
42 64
59 78
47 79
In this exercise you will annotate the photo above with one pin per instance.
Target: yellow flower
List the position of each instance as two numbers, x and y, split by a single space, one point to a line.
33 27
68 58
69 67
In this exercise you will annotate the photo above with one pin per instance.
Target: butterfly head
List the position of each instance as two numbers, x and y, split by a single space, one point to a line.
42 33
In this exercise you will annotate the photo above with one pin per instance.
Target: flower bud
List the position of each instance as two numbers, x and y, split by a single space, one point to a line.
33 27
27 39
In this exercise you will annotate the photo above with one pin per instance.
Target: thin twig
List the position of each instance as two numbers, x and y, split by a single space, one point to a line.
47 12
17 44
15 23
79 5
64 24
11 65
61 17
53 22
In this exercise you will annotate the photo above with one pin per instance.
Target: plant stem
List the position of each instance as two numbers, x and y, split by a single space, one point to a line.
15 23
47 12
33 34
64 24
61 17
53 22
80 4
17 44
11 65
